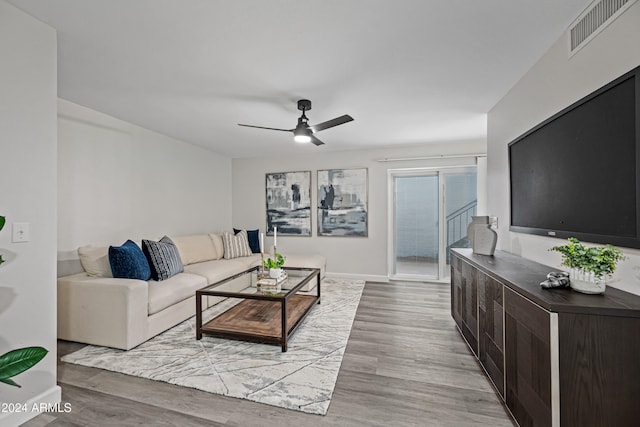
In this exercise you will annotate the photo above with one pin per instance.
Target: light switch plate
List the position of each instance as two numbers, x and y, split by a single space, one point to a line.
20 232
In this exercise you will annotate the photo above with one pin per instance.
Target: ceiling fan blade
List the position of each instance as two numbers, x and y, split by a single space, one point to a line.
316 141
262 127
331 123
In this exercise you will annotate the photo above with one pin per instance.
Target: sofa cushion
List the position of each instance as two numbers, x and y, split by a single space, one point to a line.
217 243
95 261
236 246
173 290
128 262
195 248
253 237
164 259
218 270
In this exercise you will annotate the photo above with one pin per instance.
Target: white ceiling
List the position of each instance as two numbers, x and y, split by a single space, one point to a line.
408 71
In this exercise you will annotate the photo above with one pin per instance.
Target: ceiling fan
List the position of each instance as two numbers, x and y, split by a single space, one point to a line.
304 132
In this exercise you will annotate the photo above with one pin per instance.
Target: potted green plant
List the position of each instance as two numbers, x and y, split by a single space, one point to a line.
589 267
17 361
274 265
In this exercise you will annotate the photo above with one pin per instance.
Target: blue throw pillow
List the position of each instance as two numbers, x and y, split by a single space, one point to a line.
128 262
254 239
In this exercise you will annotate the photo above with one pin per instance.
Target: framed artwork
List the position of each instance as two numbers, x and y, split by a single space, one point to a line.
288 196
342 202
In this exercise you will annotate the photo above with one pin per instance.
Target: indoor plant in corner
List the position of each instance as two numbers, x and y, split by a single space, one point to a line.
17 361
274 265
589 267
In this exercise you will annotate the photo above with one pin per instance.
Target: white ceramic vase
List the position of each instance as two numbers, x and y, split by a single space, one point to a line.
586 282
482 237
275 273
475 221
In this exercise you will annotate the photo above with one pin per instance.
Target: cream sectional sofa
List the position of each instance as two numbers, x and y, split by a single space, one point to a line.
94 308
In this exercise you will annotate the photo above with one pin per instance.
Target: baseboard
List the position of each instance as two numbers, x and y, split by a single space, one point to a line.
419 279
351 276
48 401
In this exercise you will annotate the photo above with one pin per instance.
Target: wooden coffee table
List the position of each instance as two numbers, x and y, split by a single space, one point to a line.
260 316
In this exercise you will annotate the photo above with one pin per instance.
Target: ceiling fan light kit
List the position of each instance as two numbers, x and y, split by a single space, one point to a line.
303 132
302 135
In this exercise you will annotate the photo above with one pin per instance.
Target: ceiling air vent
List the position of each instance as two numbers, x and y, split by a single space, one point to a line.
593 20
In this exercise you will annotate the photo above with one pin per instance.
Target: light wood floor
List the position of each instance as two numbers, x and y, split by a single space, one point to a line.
405 365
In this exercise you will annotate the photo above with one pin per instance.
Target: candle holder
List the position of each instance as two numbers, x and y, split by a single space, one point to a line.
262 276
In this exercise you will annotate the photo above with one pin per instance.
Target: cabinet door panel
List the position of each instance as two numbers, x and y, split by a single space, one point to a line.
469 302
599 370
456 289
490 340
527 360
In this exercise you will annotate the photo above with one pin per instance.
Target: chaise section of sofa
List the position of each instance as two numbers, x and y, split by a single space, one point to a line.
102 311
307 261
122 313
94 308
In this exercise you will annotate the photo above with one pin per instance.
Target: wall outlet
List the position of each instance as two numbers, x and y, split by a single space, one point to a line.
493 222
20 232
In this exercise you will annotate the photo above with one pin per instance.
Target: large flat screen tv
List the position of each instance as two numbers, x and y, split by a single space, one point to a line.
577 173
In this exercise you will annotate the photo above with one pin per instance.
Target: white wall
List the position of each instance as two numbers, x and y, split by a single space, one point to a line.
554 83
357 256
118 181
28 194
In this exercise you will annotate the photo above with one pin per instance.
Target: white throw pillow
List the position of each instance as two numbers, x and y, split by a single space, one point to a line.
219 245
95 261
195 248
236 246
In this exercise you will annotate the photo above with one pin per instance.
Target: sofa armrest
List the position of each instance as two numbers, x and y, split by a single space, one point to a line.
102 311
307 261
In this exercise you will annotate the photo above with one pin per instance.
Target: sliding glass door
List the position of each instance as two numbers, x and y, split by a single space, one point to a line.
416 226
429 214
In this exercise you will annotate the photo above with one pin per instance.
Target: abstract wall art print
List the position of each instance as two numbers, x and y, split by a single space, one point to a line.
288 196
342 202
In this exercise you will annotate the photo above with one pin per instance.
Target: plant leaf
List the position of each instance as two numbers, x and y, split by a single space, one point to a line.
17 361
1 222
10 382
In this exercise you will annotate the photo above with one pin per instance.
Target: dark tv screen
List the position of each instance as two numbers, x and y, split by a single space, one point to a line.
576 174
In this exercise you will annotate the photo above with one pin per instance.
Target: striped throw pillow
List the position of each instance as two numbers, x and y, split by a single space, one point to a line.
164 259
236 246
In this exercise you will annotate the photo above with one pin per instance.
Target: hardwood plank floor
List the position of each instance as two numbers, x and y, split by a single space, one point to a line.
405 365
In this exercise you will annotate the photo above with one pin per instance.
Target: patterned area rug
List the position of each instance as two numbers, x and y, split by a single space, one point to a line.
301 379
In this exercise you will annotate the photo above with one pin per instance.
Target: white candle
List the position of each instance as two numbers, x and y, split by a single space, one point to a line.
275 236
262 243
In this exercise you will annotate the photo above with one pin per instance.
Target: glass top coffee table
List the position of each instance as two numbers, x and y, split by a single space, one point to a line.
266 312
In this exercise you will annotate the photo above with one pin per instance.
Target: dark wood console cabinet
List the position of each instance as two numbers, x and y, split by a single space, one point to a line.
555 357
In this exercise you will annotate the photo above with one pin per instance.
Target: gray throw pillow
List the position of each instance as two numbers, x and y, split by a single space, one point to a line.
164 259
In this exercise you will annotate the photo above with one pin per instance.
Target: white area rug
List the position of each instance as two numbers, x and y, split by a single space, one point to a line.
302 379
